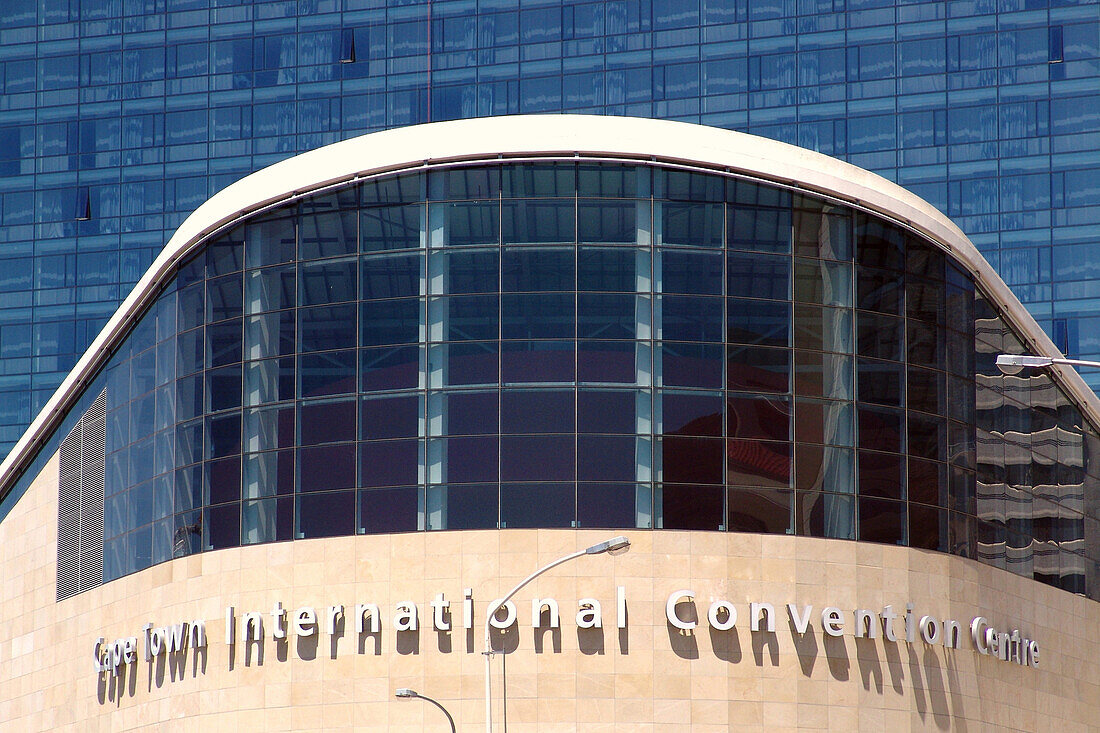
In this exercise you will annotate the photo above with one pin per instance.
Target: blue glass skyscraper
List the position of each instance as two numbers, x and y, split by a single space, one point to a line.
119 117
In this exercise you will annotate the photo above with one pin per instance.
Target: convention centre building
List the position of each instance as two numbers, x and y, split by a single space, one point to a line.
366 391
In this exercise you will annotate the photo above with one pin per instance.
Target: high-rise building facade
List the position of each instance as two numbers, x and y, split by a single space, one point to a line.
119 117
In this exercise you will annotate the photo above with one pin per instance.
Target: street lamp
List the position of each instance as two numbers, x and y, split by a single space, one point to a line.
613 546
1012 363
406 692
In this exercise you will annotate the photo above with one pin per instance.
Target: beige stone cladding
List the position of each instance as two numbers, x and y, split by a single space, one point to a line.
647 676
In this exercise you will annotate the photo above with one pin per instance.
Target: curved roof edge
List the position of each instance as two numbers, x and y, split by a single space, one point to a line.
539 135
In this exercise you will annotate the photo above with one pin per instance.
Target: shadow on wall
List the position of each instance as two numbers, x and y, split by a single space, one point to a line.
932 675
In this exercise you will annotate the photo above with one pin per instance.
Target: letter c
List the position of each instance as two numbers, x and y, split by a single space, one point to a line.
977 627
99 665
670 609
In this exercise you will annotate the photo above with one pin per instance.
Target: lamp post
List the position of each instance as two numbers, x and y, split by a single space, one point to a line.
1012 363
406 692
613 546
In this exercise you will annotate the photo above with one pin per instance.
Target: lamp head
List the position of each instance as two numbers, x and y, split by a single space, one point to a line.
614 546
405 692
1013 363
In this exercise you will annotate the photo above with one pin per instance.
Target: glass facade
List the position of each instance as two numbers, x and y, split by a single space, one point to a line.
119 117
586 344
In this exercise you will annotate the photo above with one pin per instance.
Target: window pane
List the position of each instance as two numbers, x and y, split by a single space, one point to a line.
606 505
537 361
824 468
394 417
472 317
390 321
696 224
537 221
692 507
691 460
686 413
537 316
391 277
537 505
389 510
536 269
327 373
881 521
327 467
767 418
531 411
605 458
468 271
880 428
605 411
472 363
326 328
881 474
758 276
759 230
758 369
691 365
389 463
606 315
822 514
765 323
606 269
327 422
326 515
756 463
471 413
823 283
327 235
537 458
607 361
687 318
471 507
468 460
759 510
389 368
393 227
610 222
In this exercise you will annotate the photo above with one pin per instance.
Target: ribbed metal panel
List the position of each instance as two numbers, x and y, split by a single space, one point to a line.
80 503
68 516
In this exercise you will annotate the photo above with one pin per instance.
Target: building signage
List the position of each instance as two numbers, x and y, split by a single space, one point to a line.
681 613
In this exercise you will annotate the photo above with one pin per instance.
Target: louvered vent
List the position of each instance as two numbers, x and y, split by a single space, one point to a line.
80 503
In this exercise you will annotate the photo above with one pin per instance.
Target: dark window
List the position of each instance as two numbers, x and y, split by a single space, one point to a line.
881 521
758 276
469 460
758 369
695 224
327 422
692 507
530 269
387 322
537 361
880 336
688 413
605 458
394 417
530 411
607 269
824 468
329 514
606 316
880 428
326 328
472 413
326 373
389 368
472 317
604 411
606 361
389 463
821 514
607 222
537 458
537 221
691 460
395 227
880 382
536 316
759 230
223 526
471 507
691 365
881 474
469 271
764 323
686 318
605 505
327 467
472 363
759 510
537 505
389 510
391 276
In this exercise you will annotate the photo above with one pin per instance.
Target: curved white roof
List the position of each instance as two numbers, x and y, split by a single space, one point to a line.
540 135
